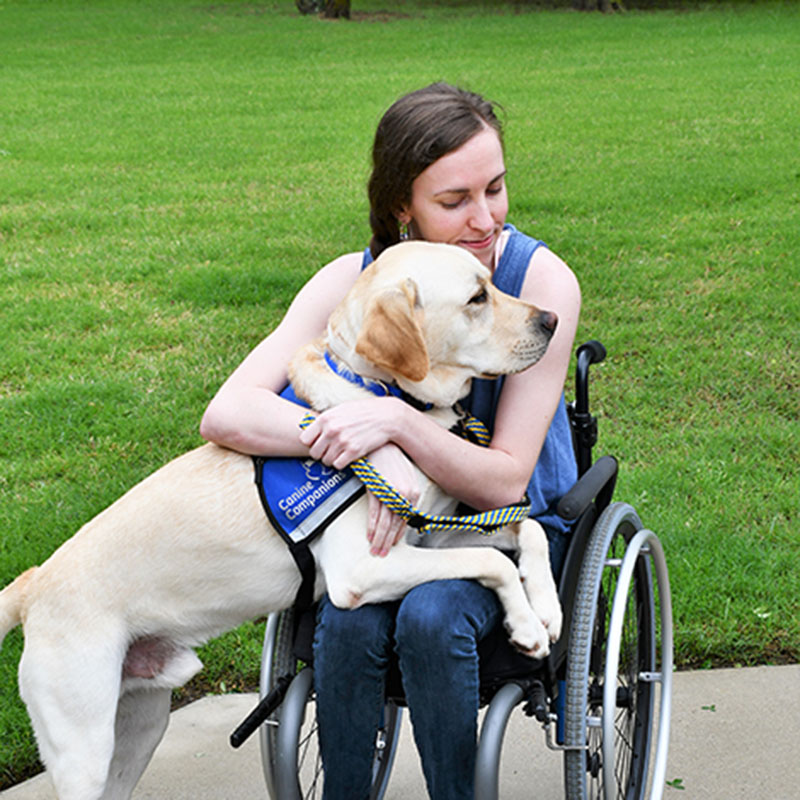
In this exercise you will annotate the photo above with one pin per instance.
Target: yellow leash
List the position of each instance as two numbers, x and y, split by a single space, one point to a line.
486 522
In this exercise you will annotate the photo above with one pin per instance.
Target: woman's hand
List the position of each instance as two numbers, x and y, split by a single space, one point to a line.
384 527
359 428
349 431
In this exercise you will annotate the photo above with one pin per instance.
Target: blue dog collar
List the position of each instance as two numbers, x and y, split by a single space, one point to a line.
378 388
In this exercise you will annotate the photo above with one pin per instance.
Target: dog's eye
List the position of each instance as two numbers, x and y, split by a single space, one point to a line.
481 297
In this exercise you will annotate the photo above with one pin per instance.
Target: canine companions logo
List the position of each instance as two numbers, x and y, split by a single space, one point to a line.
302 495
316 470
320 482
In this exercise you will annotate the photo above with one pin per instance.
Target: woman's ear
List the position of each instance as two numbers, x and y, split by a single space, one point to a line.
404 220
391 336
403 216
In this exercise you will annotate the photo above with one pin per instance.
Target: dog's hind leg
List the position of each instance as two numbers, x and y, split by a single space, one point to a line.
152 667
71 689
142 718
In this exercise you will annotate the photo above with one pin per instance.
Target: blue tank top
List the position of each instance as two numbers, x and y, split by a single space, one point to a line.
556 470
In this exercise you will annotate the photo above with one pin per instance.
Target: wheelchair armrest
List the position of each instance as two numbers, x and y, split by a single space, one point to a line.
597 482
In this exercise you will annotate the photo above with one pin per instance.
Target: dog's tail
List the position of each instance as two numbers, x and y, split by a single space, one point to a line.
11 602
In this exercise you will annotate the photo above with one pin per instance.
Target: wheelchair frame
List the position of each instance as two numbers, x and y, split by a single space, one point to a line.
594 695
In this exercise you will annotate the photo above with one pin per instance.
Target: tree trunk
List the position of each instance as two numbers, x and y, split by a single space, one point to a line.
606 6
334 9
308 6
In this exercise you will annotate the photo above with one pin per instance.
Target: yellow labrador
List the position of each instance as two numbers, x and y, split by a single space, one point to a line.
111 618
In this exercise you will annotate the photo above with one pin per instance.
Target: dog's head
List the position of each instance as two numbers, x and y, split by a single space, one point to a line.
427 317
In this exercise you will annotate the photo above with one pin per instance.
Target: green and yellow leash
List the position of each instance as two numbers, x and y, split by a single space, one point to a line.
485 522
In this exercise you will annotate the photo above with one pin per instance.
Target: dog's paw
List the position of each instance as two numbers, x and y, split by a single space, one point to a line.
548 611
543 598
553 621
530 637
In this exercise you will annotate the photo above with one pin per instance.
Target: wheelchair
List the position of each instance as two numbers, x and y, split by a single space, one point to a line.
596 694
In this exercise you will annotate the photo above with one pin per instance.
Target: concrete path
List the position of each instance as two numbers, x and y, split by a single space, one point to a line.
735 734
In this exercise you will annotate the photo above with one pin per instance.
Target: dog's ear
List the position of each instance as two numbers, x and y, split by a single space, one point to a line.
391 337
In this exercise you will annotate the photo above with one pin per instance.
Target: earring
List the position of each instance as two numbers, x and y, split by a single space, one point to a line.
403 231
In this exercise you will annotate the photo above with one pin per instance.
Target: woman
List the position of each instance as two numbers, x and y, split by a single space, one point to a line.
439 175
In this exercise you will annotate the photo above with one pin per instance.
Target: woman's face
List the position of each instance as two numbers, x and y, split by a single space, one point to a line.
461 198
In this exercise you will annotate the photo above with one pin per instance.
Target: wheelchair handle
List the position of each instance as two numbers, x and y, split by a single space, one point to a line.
584 425
592 352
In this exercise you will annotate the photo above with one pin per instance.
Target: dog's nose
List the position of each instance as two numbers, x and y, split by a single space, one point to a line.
548 322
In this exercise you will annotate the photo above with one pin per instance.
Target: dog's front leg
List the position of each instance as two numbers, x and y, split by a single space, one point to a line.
369 579
537 577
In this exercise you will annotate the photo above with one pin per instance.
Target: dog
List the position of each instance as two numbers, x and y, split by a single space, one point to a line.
112 618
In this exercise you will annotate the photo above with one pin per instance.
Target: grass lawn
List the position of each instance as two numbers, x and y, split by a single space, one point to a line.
172 172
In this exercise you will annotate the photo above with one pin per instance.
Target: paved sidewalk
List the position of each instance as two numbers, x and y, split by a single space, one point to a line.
734 735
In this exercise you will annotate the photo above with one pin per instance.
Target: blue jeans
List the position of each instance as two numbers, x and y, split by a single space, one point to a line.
435 630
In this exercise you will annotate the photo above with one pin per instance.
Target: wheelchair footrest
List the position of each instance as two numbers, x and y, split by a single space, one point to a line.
537 703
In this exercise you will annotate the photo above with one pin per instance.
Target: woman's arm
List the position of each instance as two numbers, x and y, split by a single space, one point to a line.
247 414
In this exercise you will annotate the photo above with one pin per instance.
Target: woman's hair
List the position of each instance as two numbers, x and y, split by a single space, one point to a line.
415 131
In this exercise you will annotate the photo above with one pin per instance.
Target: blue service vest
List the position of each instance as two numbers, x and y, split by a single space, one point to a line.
302 497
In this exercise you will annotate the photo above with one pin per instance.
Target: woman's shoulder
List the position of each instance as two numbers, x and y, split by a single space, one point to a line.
536 266
333 279
309 310
550 280
345 265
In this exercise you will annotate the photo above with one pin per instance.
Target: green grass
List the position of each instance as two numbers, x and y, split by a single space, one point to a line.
172 172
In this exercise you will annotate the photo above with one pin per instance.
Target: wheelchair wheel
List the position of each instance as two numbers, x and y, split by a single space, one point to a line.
277 659
289 749
612 668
